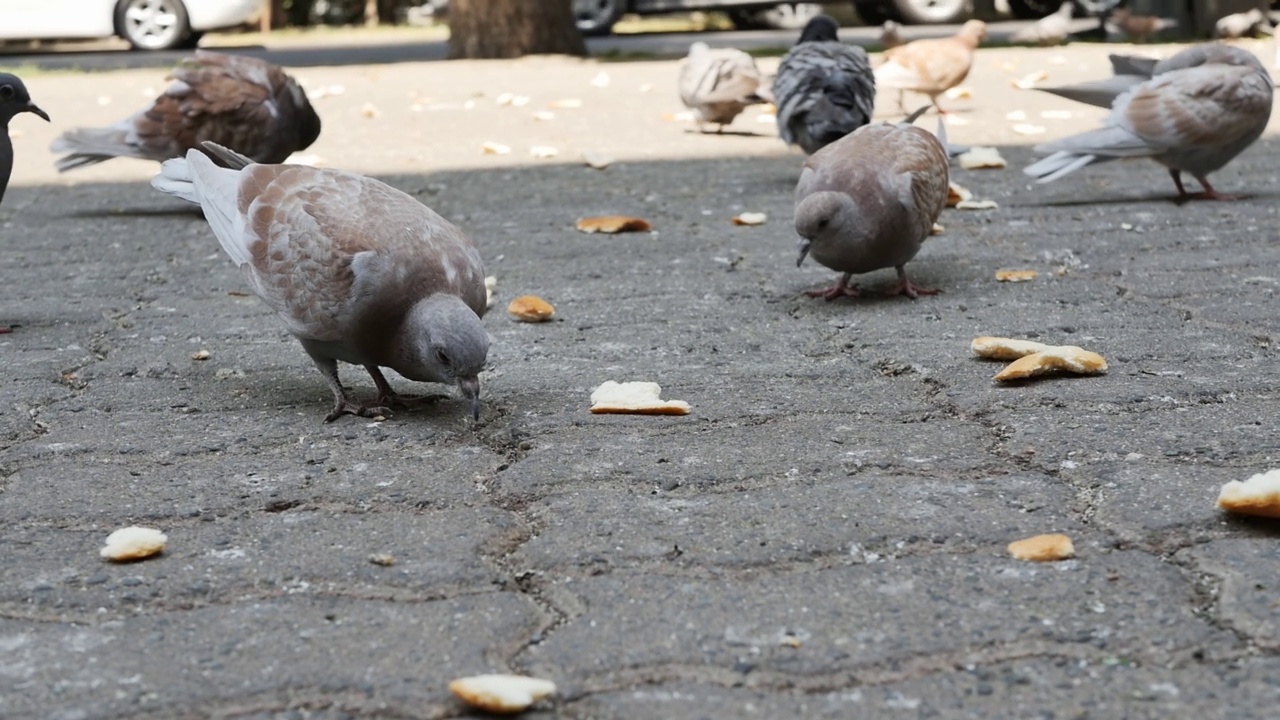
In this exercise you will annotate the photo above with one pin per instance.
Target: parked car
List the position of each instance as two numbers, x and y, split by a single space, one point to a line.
146 24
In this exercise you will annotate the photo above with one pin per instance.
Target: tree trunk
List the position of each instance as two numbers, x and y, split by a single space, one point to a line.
511 28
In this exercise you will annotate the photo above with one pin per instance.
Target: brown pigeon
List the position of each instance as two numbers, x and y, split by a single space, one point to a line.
869 200
357 270
243 103
931 66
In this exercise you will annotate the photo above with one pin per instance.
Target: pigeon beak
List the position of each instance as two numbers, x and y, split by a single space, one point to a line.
35 110
804 250
471 390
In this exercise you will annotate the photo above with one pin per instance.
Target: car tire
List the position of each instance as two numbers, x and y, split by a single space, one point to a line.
1033 9
873 12
932 12
596 18
783 16
153 24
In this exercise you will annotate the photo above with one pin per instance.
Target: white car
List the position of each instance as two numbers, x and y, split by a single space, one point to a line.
146 24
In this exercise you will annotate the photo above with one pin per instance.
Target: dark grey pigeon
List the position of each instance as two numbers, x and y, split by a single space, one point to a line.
13 100
824 89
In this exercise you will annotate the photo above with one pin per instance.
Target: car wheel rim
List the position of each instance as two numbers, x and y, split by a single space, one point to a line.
151 23
591 14
937 9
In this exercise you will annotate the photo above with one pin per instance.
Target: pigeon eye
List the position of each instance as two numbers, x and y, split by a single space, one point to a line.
443 358
6 92
823 223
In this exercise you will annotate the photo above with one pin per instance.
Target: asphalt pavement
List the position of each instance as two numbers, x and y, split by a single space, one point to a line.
823 536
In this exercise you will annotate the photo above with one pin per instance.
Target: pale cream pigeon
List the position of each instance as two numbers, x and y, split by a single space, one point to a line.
1050 30
1200 109
931 66
869 201
357 270
243 103
718 84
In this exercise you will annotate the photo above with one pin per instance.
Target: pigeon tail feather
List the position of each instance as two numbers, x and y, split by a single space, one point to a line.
1058 165
175 179
89 146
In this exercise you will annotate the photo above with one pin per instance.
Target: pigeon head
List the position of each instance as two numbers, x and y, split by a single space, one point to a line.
973 30
822 220
822 28
443 340
14 99
699 48
308 121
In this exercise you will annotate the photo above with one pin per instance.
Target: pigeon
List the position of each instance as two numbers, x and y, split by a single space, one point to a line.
242 103
1198 110
824 89
890 35
1049 30
1138 28
359 271
869 200
1238 25
718 84
14 99
931 66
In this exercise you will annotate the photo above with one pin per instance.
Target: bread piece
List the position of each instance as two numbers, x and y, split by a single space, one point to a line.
1042 548
530 308
750 218
634 398
1259 495
982 157
133 543
1016 275
998 348
1068 358
505 694
613 224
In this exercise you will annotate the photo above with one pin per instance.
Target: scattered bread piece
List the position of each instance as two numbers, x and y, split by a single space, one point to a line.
565 103
543 152
370 111
750 218
133 543
490 283
1028 82
383 559
982 157
957 193
959 92
505 694
1028 129
1259 495
634 398
1016 276
1062 357
599 161
977 205
613 224
530 308
937 229
544 115
998 348
201 355
494 148
1043 548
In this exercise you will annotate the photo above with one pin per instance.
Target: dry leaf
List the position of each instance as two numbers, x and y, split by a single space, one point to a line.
493 148
982 157
1043 548
530 309
634 398
750 218
1016 276
613 224
133 543
1259 495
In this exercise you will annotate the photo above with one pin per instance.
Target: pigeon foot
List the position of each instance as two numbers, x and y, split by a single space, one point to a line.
348 407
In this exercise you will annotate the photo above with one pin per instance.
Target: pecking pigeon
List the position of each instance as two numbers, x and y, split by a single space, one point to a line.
718 84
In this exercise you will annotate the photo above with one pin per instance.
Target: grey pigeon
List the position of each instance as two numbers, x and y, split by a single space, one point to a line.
359 271
1049 30
718 84
869 200
1200 109
1238 25
13 100
243 103
824 89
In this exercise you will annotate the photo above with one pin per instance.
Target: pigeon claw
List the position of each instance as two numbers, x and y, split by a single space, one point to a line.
347 407
839 290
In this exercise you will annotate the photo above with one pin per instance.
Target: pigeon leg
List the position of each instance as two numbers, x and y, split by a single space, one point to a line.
342 402
902 102
5 329
393 399
934 99
908 288
842 288
1207 194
